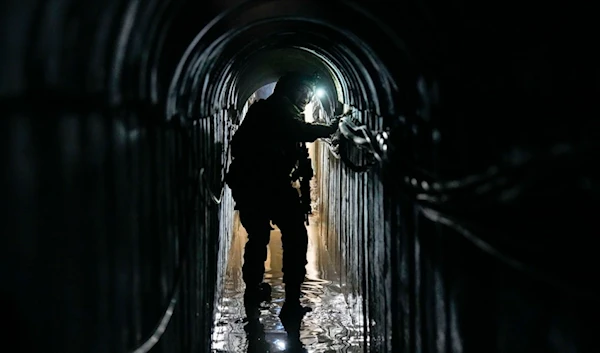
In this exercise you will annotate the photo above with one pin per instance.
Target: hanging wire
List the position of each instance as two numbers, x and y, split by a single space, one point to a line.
502 183
354 133
163 322
457 203
535 272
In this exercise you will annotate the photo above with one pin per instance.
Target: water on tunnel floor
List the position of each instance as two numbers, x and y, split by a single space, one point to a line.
329 327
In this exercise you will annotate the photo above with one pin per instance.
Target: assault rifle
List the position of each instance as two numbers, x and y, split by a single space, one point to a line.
304 172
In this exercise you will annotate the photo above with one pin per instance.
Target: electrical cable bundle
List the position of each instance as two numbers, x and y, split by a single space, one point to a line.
486 208
514 210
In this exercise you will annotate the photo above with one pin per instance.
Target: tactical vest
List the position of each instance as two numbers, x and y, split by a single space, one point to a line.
263 154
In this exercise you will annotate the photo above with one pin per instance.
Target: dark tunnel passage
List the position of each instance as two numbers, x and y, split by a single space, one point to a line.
460 198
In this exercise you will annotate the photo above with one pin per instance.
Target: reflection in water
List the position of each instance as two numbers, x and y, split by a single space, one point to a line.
328 328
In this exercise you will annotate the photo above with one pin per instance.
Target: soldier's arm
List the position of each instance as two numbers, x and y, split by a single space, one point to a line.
309 132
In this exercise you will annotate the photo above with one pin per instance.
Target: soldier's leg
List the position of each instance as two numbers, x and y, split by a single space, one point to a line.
257 225
294 237
295 243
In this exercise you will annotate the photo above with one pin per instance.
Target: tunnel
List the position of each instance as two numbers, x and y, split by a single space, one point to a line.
457 203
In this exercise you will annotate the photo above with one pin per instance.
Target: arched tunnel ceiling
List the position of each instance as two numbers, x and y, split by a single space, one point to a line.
267 66
262 41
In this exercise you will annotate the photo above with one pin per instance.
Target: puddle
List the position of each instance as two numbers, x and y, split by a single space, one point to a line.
330 327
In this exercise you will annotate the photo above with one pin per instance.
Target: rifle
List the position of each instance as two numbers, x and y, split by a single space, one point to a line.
305 174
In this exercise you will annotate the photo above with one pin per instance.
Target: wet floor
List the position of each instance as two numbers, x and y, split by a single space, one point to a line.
329 327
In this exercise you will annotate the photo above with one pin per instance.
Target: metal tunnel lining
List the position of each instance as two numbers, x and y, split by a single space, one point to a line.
226 75
113 108
204 44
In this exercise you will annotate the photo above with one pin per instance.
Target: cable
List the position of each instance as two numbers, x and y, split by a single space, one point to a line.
497 177
347 128
456 225
353 132
504 185
514 178
165 318
216 199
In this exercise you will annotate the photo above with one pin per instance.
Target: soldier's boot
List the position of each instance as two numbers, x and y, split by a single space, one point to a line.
255 334
292 312
253 297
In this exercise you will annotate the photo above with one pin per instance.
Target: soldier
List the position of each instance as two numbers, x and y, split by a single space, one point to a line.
266 150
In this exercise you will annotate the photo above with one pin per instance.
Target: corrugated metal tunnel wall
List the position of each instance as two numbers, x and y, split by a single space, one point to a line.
105 206
353 224
111 221
110 215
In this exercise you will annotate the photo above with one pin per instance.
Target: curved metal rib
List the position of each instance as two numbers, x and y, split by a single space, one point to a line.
161 326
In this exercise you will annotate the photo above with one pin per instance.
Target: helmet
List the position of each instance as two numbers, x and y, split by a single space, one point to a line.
297 87
291 82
